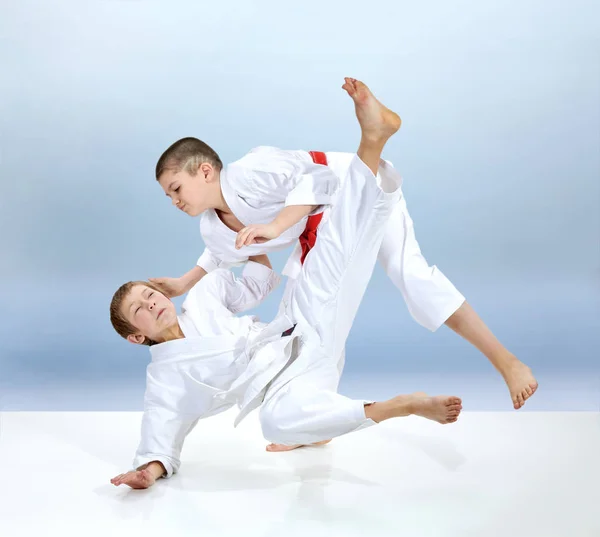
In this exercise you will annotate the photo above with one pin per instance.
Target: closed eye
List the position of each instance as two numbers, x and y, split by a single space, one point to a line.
176 189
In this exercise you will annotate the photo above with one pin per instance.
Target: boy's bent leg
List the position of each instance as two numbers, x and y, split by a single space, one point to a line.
302 406
433 301
304 411
429 296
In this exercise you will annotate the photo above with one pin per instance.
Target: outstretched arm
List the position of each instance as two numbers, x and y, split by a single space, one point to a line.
172 287
162 436
223 293
207 262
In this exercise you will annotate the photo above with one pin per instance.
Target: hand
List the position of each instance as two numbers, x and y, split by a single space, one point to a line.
140 479
170 287
256 234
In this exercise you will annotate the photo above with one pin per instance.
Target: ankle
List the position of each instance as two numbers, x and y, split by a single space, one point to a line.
372 143
505 360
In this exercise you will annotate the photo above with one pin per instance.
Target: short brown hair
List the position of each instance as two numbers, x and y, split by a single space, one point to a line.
187 154
122 326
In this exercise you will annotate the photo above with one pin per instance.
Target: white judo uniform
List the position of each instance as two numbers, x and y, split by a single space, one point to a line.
226 360
259 185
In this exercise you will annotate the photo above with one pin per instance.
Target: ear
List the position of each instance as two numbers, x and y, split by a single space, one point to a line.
138 339
207 171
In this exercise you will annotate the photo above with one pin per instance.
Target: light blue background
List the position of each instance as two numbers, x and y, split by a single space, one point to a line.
499 151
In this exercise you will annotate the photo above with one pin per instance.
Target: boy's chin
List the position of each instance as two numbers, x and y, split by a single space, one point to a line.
194 212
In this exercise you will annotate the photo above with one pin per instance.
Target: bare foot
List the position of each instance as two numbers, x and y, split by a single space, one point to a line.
441 408
378 123
282 447
520 381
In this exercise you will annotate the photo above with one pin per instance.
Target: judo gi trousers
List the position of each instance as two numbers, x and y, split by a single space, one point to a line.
301 404
430 296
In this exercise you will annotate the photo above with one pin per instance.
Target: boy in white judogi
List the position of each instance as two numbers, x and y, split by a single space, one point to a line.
271 199
207 360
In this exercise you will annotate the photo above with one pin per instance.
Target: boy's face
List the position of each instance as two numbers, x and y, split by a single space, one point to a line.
192 194
152 313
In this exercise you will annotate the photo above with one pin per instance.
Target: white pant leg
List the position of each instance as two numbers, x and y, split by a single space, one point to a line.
337 270
430 297
302 405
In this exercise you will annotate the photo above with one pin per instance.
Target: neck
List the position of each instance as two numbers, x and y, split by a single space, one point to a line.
219 203
173 332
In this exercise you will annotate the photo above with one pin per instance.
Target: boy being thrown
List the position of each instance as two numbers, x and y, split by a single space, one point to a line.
207 360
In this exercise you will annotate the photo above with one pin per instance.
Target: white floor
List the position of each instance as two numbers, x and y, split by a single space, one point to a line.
533 474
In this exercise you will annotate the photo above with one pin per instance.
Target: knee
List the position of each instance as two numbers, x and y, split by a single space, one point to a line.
271 423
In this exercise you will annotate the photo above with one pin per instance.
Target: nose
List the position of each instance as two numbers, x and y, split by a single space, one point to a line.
175 202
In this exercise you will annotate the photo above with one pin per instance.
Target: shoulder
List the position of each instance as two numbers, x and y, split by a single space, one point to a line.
208 287
266 158
256 153
213 279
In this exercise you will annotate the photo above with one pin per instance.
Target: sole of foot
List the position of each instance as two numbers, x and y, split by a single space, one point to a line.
378 123
441 408
276 448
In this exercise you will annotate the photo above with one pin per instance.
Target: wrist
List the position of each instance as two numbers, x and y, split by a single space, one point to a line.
189 279
278 227
156 469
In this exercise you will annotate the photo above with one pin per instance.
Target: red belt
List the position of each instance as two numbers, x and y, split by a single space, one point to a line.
309 235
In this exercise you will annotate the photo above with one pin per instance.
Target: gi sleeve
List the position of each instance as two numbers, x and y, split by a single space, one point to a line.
278 176
209 261
223 290
163 433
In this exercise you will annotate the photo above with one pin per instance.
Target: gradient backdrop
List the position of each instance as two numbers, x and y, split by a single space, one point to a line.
499 151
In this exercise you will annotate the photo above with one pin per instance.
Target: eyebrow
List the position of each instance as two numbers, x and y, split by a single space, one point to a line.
134 302
169 188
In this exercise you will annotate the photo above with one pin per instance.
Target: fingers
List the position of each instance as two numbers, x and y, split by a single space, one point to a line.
164 286
159 282
116 479
131 479
120 479
240 238
246 236
251 238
